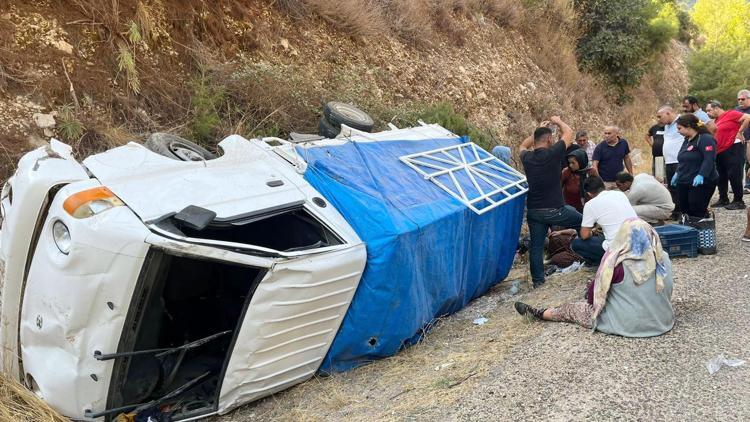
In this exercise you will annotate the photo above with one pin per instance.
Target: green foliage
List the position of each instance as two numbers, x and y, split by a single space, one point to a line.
446 116
69 127
719 75
623 36
126 64
719 67
688 30
664 25
723 23
206 103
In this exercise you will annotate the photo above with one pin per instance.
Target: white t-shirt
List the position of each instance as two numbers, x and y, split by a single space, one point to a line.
609 210
672 143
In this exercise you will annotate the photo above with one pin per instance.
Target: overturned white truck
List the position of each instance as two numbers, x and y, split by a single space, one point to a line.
161 277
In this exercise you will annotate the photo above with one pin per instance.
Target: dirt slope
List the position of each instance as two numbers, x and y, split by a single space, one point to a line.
70 52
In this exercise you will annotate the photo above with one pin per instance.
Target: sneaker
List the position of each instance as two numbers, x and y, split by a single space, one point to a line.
529 311
746 238
720 203
747 189
735 206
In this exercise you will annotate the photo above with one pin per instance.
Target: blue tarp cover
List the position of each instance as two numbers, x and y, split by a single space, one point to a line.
428 255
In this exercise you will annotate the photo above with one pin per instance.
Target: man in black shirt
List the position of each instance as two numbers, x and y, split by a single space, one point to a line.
545 206
655 138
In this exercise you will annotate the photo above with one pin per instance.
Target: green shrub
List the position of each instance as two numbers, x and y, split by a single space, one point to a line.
206 102
718 75
622 37
69 127
446 116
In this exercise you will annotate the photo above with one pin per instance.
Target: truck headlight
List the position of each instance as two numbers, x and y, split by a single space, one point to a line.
90 202
61 236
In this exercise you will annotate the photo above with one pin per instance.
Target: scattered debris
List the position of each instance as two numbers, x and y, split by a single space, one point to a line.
714 364
480 321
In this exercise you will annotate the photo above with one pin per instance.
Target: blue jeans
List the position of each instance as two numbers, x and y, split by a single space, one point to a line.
590 249
539 221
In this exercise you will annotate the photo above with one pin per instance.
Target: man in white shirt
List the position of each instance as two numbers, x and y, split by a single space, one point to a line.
672 144
608 209
650 199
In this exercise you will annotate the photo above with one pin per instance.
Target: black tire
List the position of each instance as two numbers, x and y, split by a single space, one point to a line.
341 113
326 129
177 148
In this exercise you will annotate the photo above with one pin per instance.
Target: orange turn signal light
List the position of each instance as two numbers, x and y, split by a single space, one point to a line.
90 202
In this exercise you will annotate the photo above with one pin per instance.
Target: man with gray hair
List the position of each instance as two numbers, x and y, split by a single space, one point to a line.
672 144
610 155
582 139
743 105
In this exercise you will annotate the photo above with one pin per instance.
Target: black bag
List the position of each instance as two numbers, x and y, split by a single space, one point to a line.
706 232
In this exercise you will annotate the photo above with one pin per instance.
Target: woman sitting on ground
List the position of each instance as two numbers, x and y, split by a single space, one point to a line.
573 176
631 293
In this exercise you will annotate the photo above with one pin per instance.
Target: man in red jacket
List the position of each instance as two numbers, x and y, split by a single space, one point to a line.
727 128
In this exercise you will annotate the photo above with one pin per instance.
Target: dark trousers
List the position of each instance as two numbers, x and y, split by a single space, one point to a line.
590 249
694 199
729 165
671 169
539 221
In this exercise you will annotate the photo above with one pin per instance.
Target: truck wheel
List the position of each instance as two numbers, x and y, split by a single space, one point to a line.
177 148
326 129
341 113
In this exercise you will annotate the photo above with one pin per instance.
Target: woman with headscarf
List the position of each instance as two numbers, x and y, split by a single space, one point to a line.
631 293
574 175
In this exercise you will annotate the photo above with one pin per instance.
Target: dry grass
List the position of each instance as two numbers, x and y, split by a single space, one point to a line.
416 22
451 362
17 403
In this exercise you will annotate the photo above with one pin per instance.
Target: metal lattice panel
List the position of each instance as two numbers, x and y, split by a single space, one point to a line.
470 174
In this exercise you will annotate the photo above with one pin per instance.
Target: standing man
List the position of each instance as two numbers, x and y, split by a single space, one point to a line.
655 138
582 139
607 208
610 155
743 105
728 128
545 206
690 105
672 144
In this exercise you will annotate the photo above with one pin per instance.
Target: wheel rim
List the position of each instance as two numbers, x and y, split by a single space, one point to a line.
185 153
354 114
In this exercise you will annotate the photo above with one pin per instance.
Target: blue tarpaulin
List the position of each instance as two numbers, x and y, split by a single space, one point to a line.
428 255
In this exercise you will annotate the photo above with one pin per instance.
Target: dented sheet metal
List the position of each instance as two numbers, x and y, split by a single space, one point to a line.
72 306
290 324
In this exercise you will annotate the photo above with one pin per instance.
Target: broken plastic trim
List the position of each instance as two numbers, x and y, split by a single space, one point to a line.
165 226
144 406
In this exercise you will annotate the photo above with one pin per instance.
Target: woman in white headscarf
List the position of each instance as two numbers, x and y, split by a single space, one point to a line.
631 293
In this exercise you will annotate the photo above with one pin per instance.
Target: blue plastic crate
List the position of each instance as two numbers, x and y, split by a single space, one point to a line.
678 240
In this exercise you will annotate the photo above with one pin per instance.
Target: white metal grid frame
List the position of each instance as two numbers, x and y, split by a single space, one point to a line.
481 169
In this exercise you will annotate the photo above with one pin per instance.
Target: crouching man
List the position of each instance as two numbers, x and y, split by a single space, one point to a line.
651 201
608 209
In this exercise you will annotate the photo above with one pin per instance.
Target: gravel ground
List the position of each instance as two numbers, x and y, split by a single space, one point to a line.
512 368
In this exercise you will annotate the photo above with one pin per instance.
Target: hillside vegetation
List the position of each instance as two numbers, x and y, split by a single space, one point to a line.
113 71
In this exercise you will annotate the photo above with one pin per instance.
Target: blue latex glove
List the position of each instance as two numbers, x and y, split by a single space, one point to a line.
673 182
698 180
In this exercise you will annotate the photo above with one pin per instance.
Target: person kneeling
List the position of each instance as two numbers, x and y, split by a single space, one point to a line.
631 294
650 199
608 209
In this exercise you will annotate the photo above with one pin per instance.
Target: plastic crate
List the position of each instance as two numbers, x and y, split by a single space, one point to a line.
678 240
